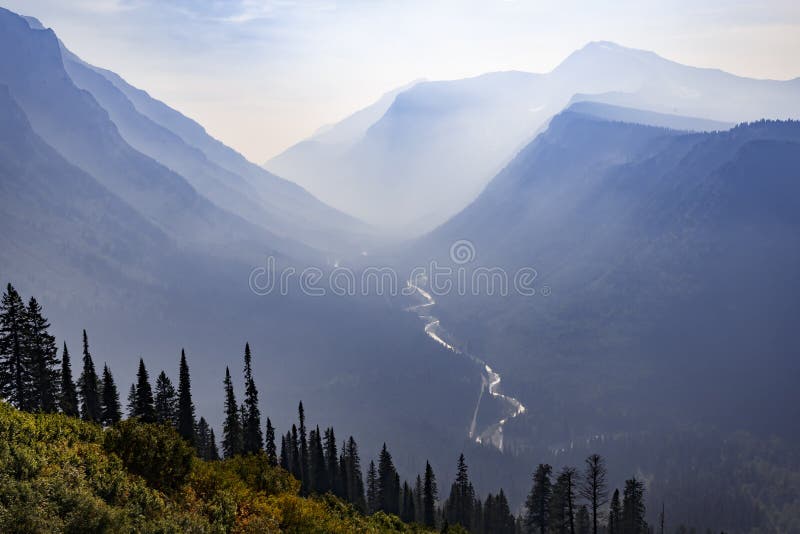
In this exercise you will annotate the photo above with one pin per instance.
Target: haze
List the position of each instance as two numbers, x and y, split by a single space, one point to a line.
262 75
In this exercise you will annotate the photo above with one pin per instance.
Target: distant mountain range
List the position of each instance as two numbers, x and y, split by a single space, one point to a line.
672 263
440 142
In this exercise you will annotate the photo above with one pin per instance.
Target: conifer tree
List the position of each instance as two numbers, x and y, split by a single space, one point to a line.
388 485
614 514
562 504
143 406
132 401
537 504
186 420
318 472
418 500
373 499
14 379
284 458
429 496
110 406
294 456
269 446
633 508
594 488
231 428
213 450
166 401
303 449
205 441
42 361
407 512
68 400
459 506
89 386
353 480
332 464
251 425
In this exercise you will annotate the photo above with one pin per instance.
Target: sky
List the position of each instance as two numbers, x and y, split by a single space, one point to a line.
261 75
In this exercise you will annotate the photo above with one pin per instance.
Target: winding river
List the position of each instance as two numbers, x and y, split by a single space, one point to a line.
490 379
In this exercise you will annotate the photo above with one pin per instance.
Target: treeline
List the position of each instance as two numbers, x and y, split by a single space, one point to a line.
34 379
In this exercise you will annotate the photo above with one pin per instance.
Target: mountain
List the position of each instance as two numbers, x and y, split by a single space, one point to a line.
440 142
665 271
103 227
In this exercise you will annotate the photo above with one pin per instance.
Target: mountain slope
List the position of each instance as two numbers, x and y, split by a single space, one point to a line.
672 259
441 142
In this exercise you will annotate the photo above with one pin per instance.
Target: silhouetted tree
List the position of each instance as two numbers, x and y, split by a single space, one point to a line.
143 406
68 401
388 485
251 425
205 442
332 464
615 514
41 359
14 377
353 481
89 386
231 428
294 455
594 488
459 506
318 472
303 448
272 453
407 508
537 504
633 508
373 499
562 504
430 494
284 456
186 420
166 401
110 406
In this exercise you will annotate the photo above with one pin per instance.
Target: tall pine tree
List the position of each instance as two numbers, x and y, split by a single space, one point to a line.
430 495
166 401
303 447
594 488
615 514
332 465
459 506
251 425
14 379
388 485
537 518
373 499
633 509
269 446
89 387
186 420
562 504
143 406
68 400
42 360
353 481
318 472
231 428
109 405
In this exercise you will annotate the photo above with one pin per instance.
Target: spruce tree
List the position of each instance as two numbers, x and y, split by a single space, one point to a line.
459 506
110 406
89 387
633 508
332 464
430 495
14 379
615 514
537 504
418 500
353 480
318 472
373 499
166 401
294 456
42 360
269 446
251 425
388 486
562 504
213 450
284 457
594 488
144 407
204 440
68 399
186 420
303 448
132 406
407 509
231 428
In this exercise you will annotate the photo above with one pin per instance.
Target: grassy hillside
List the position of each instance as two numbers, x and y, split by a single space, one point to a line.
60 474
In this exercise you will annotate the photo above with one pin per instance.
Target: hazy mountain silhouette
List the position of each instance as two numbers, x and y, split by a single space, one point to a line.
440 142
672 262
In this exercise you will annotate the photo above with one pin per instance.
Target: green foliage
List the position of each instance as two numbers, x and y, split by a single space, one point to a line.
60 474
